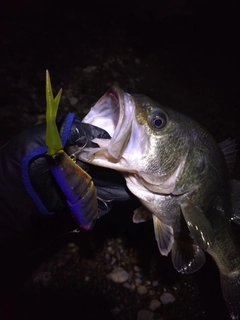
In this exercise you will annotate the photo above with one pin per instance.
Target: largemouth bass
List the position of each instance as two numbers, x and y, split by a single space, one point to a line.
181 177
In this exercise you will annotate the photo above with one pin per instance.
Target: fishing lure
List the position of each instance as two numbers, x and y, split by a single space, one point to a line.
75 183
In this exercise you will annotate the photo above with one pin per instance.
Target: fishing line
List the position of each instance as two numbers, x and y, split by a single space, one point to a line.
77 230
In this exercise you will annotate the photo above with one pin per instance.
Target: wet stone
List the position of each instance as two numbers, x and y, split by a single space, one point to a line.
43 278
145 315
89 69
142 290
167 297
71 245
152 292
155 283
138 281
154 304
118 275
127 285
73 100
115 311
137 269
139 275
133 287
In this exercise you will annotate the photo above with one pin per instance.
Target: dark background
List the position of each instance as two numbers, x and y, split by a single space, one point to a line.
184 54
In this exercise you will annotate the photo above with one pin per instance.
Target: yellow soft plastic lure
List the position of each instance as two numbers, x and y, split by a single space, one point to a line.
76 185
53 140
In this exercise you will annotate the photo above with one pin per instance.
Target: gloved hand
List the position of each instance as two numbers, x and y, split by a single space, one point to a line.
28 190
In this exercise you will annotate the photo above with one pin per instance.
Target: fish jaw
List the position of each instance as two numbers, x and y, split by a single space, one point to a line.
115 112
106 112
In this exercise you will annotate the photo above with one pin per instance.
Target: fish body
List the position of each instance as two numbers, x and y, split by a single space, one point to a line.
180 175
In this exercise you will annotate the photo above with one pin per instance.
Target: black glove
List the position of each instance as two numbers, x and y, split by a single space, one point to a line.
28 190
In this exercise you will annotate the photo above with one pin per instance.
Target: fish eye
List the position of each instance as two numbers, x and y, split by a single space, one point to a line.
157 120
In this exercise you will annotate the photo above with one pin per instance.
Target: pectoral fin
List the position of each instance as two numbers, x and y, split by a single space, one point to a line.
163 235
187 257
198 225
141 214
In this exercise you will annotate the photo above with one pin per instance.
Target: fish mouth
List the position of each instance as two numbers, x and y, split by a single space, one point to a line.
113 112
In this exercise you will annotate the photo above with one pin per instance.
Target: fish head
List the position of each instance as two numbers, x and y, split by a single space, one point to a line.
147 139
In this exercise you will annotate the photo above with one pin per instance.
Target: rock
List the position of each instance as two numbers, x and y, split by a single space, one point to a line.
139 274
127 285
90 69
137 269
145 315
115 311
152 292
154 304
155 283
118 275
71 245
110 250
167 298
73 100
141 290
43 278
138 281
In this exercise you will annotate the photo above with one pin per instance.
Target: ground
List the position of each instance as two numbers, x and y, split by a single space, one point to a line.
184 55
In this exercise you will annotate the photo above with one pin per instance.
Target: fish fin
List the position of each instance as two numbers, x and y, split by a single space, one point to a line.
141 214
235 193
163 235
198 225
231 292
187 257
229 149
